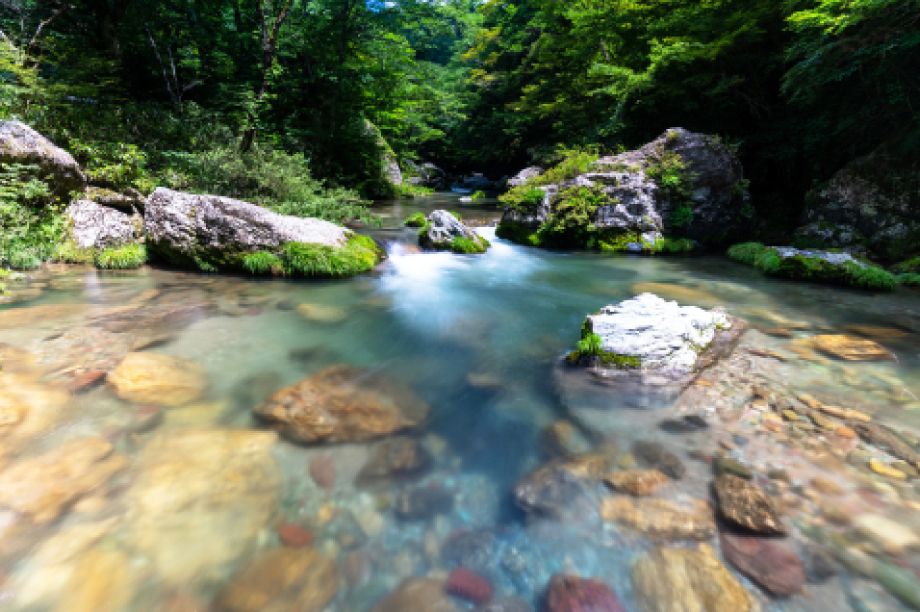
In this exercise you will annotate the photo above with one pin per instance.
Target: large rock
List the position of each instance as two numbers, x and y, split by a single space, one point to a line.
20 144
42 487
200 500
185 228
95 226
282 579
27 408
773 567
561 488
709 206
426 174
650 333
877 195
445 232
742 503
525 175
151 378
343 404
661 519
685 580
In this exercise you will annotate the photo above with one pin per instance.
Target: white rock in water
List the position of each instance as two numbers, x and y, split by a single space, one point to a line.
662 334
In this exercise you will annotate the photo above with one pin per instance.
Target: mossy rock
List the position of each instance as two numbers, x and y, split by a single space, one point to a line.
416 220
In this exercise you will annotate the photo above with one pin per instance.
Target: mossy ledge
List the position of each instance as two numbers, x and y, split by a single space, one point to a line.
801 267
606 358
296 259
416 220
604 241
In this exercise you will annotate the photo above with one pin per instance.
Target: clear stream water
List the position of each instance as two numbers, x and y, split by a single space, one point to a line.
476 337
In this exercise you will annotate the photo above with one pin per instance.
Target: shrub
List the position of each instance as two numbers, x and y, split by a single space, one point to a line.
416 220
126 257
31 223
911 266
909 280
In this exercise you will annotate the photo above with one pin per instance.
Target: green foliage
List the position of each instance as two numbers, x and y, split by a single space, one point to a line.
263 263
909 279
68 252
911 266
126 257
416 220
671 246
519 233
468 245
573 214
31 224
590 345
527 197
681 216
116 165
478 195
360 255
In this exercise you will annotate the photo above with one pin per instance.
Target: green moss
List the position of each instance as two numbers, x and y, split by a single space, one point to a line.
69 252
911 266
359 255
747 252
416 220
909 280
467 245
263 263
125 257
519 234
671 246
622 362
423 230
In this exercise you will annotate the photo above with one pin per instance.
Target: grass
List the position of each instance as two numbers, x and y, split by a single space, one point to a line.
416 220
911 266
359 255
263 263
800 267
126 257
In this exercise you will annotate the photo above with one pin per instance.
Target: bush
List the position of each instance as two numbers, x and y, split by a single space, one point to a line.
909 280
911 266
31 224
416 220
126 257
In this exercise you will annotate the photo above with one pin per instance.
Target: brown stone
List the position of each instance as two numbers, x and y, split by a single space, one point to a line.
555 488
343 404
42 487
661 519
768 564
418 595
394 458
887 440
636 482
560 440
100 581
200 499
27 409
151 378
743 503
280 580
87 381
826 486
685 580
845 432
574 594
850 348
322 471
656 456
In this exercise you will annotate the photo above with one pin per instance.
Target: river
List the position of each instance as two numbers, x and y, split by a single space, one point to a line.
156 489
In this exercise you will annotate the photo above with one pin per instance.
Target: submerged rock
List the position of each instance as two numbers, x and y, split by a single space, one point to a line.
343 404
396 458
685 580
418 595
636 482
444 232
151 378
656 456
423 503
661 519
881 437
200 500
574 594
282 579
743 503
469 585
20 144
42 487
773 567
850 348
27 408
561 440
559 488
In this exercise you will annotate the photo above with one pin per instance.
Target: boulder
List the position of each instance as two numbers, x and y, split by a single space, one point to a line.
95 226
561 488
444 232
200 499
686 580
647 341
879 196
43 486
20 144
710 203
151 378
773 567
282 579
342 404
742 503
525 175
823 235
636 482
660 519
131 199
574 594
186 228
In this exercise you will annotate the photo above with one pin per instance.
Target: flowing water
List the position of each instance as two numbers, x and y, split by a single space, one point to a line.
156 496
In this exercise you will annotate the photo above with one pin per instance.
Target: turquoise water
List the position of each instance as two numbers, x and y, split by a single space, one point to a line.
478 338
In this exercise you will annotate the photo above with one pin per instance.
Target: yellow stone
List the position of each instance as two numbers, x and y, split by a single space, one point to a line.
100 582
886 470
151 378
849 348
319 313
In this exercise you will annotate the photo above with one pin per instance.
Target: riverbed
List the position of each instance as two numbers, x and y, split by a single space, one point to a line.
156 488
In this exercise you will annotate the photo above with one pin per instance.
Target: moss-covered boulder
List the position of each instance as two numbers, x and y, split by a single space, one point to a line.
824 235
445 232
836 267
213 233
678 190
878 195
20 144
416 220
108 237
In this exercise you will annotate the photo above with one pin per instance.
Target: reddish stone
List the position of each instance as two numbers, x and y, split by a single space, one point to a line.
86 381
574 594
469 585
322 469
768 564
294 536
356 568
